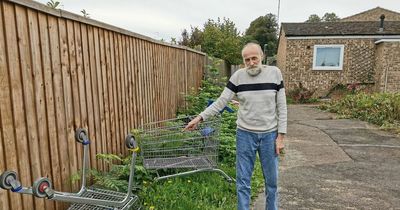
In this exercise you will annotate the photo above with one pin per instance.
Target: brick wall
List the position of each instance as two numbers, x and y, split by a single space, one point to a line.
387 67
358 64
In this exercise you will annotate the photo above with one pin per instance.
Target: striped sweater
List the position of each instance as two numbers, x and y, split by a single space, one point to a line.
262 100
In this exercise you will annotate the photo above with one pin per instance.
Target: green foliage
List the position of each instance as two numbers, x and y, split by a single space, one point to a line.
330 17
221 39
327 17
218 38
314 18
53 4
264 30
382 109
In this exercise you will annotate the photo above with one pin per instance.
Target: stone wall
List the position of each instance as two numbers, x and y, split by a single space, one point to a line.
358 64
387 66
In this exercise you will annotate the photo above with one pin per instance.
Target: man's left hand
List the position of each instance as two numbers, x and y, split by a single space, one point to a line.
279 146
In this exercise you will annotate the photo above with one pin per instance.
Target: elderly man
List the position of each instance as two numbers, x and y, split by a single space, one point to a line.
261 122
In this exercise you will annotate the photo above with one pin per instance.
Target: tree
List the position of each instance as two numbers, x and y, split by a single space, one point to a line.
193 39
264 31
314 18
53 4
328 17
218 38
221 39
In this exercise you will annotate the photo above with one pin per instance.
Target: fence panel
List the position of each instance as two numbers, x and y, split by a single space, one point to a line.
60 71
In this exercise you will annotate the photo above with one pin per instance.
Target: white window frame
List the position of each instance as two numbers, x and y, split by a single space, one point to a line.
340 67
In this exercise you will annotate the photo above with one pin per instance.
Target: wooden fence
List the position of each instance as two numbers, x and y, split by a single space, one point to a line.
60 71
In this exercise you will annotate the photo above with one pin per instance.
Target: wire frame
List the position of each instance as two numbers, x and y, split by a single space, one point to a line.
165 144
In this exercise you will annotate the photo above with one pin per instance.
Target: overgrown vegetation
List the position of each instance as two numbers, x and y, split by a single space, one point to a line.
197 191
301 94
382 109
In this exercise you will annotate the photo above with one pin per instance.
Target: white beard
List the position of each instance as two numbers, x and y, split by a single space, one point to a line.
254 71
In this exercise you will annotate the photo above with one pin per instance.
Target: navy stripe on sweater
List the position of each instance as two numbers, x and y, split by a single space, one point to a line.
252 87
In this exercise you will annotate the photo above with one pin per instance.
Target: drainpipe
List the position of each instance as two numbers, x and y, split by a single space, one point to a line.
386 78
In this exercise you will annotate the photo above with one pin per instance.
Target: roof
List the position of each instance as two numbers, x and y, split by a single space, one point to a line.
373 14
341 28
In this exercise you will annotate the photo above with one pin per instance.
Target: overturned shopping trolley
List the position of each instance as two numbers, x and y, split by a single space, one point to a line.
87 197
164 145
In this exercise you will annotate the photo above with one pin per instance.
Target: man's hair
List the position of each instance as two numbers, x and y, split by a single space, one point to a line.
255 45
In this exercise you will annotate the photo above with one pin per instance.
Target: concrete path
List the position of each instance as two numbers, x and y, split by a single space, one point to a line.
337 164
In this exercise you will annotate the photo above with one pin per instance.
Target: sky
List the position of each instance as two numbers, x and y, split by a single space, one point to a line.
166 19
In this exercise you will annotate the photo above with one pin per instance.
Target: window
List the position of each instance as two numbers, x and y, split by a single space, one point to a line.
328 57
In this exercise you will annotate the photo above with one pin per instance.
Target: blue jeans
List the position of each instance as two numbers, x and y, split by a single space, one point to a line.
247 145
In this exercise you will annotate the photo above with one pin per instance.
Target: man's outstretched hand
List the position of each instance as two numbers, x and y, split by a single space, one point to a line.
193 124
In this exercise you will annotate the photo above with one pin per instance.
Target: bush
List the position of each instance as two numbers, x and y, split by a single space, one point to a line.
382 109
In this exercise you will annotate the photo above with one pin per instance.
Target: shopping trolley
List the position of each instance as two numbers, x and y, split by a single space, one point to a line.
165 145
87 197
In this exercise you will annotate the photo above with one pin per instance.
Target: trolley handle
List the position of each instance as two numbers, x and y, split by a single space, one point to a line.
226 108
81 136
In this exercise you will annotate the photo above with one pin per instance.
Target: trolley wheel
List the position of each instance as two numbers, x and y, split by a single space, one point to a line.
80 135
4 179
130 141
40 185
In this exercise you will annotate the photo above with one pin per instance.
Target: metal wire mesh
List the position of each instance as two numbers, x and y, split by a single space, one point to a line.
106 195
164 144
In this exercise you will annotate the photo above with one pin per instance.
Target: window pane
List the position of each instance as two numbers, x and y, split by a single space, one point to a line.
328 56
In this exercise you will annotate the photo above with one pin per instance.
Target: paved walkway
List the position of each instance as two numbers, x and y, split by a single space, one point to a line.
337 164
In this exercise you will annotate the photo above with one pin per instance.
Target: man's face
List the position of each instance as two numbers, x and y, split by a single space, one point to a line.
251 57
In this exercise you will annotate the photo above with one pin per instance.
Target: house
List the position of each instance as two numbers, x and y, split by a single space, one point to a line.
360 49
